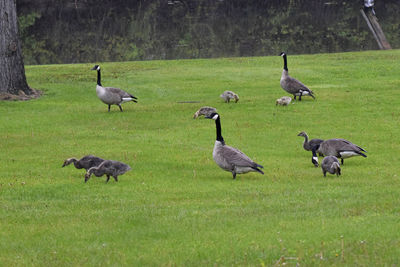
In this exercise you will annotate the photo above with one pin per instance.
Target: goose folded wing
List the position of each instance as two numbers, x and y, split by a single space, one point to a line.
119 92
347 145
293 83
237 157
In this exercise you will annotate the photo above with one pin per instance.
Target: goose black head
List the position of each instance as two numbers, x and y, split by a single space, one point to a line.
96 67
213 116
302 134
282 54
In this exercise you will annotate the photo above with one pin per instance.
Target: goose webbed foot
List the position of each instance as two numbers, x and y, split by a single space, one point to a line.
116 178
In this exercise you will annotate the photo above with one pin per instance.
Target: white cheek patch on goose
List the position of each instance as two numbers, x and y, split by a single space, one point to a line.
215 117
315 159
348 154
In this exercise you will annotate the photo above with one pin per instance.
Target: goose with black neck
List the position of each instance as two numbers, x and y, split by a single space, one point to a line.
111 95
229 158
291 85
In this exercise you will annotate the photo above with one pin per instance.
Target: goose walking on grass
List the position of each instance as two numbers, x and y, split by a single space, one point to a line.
229 158
331 164
339 148
308 145
228 95
109 168
111 95
85 162
291 85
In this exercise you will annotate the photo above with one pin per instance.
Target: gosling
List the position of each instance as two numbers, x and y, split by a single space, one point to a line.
283 101
204 111
330 164
109 168
228 95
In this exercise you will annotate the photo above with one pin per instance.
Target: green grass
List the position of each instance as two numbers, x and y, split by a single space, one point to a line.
176 206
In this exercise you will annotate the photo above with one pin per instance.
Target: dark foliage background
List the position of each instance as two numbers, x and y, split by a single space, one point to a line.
69 31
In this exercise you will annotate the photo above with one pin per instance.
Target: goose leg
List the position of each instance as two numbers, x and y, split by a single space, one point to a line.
116 178
324 173
109 106
120 108
342 161
234 174
108 178
300 96
294 97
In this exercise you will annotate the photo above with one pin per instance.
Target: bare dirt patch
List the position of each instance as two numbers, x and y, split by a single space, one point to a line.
21 95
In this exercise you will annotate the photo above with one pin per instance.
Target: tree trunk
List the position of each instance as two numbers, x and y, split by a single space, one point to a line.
12 72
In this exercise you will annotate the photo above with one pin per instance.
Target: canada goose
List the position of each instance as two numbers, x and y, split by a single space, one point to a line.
291 85
110 95
204 111
283 101
86 162
229 158
339 148
330 164
308 145
228 95
108 167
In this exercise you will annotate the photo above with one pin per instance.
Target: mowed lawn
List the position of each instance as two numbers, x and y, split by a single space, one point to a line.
176 206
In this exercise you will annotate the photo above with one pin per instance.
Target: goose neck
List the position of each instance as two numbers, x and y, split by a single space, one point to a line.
218 127
285 63
98 78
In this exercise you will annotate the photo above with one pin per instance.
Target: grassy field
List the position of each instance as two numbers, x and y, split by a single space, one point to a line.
176 206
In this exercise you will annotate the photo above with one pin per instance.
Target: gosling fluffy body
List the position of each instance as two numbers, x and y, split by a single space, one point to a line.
204 111
109 168
331 164
228 95
283 101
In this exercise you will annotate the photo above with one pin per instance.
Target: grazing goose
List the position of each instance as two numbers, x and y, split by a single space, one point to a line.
228 95
108 167
291 85
330 164
110 95
308 145
229 158
283 101
339 148
204 111
86 162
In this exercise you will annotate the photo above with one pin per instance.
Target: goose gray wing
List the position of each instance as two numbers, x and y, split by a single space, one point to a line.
296 85
347 145
237 158
121 93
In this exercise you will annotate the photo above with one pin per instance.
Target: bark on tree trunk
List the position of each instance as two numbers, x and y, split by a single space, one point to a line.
12 72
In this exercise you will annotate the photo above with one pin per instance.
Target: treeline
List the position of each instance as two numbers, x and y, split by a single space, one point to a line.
69 31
